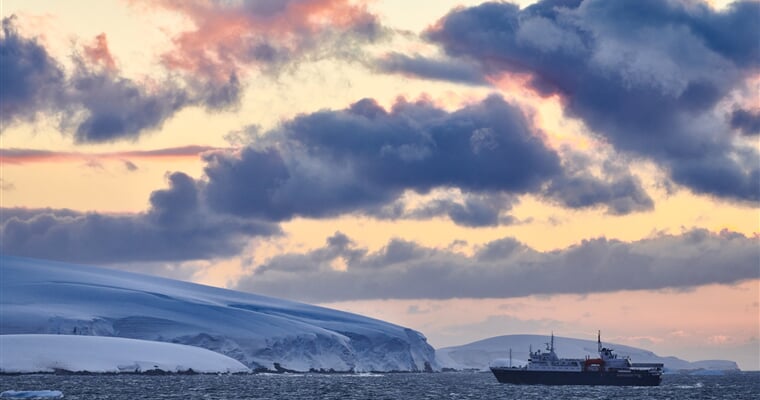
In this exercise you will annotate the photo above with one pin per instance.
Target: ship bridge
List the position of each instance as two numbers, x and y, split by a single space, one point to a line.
548 361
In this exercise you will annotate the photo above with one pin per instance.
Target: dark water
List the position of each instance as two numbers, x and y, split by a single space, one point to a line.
389 386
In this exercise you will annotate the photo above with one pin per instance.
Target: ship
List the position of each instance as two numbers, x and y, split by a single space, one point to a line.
546 368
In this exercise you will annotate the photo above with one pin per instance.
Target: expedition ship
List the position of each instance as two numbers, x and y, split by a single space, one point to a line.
545 368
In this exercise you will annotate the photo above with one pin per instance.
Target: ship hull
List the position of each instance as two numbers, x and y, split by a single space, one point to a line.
521 376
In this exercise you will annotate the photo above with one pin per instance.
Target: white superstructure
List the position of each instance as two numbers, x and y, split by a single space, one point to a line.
610 360
548 361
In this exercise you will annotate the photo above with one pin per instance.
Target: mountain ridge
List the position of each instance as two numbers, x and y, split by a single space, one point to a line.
481 353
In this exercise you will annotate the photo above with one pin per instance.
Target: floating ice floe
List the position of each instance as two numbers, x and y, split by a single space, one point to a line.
31 394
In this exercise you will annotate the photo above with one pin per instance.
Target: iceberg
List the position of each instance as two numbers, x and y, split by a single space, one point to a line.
56 353
263 333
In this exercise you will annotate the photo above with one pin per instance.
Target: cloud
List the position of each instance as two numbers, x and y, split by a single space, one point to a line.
358 160
22 156
100 106
507 268
498 325
32 81
746 122
98 53
229 36
622 196
22 213
177 227
362 160
229 39
93 164
94 102
649 76
130 166
473 210
97 104
5 185
453 70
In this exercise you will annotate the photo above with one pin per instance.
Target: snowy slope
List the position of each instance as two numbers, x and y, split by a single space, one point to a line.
46 353
478 355
49 297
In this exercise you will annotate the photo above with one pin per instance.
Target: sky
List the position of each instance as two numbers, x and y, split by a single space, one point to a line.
464 168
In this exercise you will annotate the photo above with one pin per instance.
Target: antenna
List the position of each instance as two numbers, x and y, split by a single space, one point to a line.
552 348
599 340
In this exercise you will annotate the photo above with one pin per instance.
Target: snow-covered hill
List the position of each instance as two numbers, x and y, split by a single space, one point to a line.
43 297
478 355
47 353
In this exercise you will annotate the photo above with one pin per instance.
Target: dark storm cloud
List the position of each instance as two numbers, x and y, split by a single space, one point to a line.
648 75
363 158
745 121
427 68
177 227
507 268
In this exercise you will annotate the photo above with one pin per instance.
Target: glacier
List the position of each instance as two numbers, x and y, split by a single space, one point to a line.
495 351
263 333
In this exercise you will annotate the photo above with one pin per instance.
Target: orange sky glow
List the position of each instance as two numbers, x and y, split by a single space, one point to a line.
323 57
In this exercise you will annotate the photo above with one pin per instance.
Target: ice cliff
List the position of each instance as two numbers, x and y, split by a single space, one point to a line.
44 297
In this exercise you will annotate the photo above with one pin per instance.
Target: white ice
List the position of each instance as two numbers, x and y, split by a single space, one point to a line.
31 394
46 353
44 297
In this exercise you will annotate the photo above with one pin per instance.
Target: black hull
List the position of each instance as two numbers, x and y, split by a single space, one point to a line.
521 376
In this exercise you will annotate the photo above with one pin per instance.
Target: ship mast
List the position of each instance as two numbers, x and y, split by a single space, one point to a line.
551 349
599 340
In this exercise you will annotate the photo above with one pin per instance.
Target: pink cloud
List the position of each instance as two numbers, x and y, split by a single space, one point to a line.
26 156
98 53
719 339
227 38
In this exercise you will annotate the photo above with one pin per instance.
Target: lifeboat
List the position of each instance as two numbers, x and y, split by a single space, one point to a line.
593 364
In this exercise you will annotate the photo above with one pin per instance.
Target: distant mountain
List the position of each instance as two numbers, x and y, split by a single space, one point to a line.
478 355
43 297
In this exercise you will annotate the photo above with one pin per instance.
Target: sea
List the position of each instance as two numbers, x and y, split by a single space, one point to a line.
448 385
